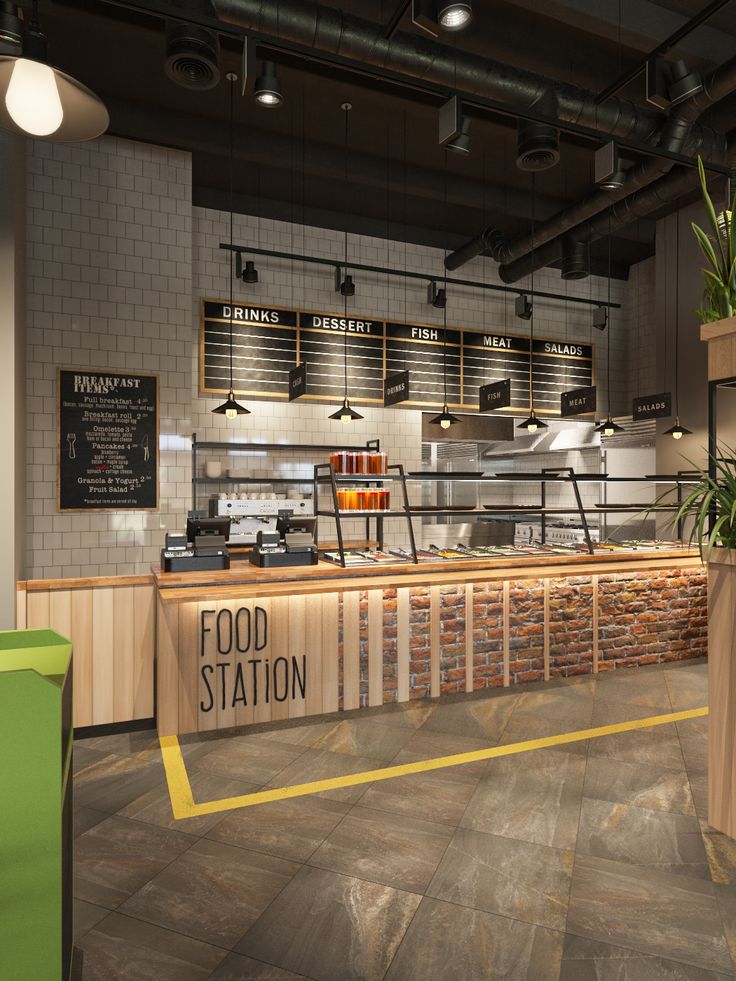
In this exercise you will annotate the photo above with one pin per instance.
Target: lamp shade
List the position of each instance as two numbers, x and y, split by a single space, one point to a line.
41 101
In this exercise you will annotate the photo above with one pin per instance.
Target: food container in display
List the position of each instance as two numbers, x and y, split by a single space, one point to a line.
212 469
384 499
378 462
362 463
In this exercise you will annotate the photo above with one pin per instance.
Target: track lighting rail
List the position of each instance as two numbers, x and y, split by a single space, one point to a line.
423 277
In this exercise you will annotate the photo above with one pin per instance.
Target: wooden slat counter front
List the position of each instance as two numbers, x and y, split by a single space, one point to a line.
252 645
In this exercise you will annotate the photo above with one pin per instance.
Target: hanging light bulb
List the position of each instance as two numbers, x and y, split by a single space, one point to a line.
445 419
32 98
345 413
608 427
532 424
677 431
230 408
39 100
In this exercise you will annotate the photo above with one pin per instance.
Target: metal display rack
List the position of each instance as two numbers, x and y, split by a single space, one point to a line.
325 474
200 481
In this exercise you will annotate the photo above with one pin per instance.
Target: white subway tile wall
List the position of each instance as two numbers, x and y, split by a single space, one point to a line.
117 262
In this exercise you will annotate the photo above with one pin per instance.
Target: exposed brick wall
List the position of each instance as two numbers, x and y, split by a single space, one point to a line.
648 617
570 626
644 617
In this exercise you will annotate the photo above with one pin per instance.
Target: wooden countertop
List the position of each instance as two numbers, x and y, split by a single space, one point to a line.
244 581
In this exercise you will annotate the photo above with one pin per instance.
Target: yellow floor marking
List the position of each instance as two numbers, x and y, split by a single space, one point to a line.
183 804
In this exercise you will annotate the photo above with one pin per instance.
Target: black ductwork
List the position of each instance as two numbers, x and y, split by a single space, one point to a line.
575 264
674 139
335 32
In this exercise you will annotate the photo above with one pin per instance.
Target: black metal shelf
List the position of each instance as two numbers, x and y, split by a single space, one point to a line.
300 447
251 480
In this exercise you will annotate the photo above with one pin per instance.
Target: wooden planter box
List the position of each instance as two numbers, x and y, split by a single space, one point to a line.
722 690
721 339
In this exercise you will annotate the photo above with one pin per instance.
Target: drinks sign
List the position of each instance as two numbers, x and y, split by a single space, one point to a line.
652 406
396 388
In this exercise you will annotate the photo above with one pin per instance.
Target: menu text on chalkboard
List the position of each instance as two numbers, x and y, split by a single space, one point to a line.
107 441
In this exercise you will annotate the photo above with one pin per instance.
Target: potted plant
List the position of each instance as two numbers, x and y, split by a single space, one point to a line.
711 507
719 250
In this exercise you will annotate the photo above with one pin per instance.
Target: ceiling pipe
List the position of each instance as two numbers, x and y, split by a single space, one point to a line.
323 28
661 194
679 124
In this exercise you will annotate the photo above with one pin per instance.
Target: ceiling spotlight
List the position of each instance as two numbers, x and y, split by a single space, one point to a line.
230 408
436 297
609 427
454 126
609 174
345 413
250 273
532 424
445 419
669 85
37 99
347 286
268 87
523 307
448 15
677 431
600 318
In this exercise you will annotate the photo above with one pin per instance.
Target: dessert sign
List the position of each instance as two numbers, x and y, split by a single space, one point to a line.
107 441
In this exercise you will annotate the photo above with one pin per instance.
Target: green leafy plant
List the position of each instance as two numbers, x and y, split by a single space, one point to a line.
719 249
711 504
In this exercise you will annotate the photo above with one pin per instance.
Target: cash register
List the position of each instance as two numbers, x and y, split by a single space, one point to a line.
203 548
292 543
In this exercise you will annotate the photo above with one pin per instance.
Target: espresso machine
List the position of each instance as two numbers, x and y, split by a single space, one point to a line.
257 514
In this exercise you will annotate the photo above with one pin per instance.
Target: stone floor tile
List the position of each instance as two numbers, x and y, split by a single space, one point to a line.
110 783
670 916
86 818
320 764
656 745
524 727
364 737
721 852
446 941
85 916
332 927
535 797
501 875
121 948
214 892
650 839
383 847
642 785
246 758
116 857
291 829
635 687
476 718
235 967
591 960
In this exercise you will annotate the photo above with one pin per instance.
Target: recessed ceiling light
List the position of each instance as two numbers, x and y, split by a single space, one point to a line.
268 87
453 15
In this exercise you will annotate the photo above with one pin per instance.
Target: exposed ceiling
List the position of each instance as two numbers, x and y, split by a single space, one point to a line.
290 161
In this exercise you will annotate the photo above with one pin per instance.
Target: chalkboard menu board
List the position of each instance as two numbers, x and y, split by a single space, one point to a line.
269 342
107 441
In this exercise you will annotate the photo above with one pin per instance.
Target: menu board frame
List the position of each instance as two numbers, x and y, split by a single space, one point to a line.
84 509
517 343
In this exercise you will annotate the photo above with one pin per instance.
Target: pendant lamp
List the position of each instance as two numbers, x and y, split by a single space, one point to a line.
39 100
445 419
230 408
608 427
346 414
531 424
677 431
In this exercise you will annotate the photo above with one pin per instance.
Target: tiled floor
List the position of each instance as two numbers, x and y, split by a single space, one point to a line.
587 862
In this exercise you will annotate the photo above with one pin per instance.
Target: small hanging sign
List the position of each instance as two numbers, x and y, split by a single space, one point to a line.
578 401
652 406
494 396
396 388
297 381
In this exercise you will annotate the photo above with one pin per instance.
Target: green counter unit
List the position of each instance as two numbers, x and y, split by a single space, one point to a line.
35 805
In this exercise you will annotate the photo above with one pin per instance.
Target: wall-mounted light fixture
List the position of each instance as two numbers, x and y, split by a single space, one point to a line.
668 85
609 174
600 318
436 297
248 272
523 307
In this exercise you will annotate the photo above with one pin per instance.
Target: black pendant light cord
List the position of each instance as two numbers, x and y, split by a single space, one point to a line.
232 253
531 321
444 309
677 316
346 110
610 319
